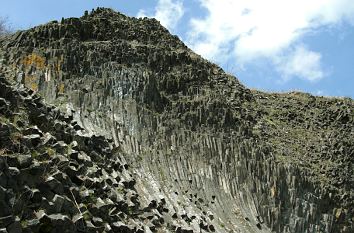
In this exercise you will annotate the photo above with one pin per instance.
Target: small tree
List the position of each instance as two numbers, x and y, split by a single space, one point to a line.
3 26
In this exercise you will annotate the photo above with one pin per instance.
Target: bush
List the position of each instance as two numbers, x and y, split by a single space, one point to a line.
4 29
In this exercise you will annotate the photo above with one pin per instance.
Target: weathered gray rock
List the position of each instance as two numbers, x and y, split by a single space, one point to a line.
13 172
149 134
122 227
59 223
33 130
6 220
15 227
32 225
55 185
19 160
5 132
32 140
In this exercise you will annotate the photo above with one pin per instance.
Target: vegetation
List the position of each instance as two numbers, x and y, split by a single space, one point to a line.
4 28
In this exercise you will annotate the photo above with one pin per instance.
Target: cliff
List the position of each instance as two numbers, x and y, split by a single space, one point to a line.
122 128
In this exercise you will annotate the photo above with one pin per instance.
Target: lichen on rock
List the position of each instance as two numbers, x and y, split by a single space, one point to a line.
148 136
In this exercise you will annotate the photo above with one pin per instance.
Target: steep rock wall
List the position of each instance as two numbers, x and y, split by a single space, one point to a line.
186 127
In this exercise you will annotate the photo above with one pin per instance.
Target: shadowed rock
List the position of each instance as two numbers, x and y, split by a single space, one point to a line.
147 135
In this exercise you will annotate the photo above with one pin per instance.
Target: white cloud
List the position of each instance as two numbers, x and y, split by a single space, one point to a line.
168 12
253 29
319 93
302 63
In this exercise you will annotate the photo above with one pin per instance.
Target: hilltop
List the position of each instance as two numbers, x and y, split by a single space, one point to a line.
205 152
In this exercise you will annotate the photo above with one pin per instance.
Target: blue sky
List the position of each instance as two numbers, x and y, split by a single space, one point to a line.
273 45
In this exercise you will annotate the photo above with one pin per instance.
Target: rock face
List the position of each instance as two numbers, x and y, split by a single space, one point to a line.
147 136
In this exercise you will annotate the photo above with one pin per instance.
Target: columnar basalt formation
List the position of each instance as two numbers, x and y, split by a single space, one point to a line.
205 153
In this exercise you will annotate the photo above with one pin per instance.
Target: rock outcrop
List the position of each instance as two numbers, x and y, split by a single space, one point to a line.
148 136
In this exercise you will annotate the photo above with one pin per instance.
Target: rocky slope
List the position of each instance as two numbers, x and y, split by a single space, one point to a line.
54 179
162 140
